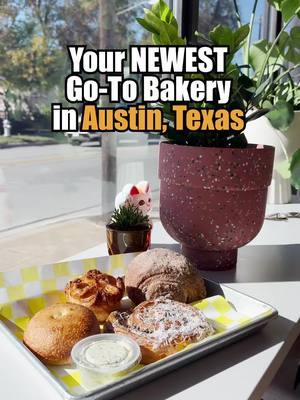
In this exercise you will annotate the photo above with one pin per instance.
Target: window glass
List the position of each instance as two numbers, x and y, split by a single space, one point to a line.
61 182
245 8
215 12
223 12
72 177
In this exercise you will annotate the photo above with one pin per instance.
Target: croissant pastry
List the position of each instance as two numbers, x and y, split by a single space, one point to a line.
161 327
99 292
163 273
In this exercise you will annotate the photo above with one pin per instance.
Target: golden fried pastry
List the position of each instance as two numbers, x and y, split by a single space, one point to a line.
53 331
161 327
99 292
163 273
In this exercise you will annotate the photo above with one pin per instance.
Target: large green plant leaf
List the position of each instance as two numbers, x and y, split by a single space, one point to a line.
240 36
290 8
289 45
282 115
295 169
258 53
162 11
148 26
167 32
161 22
224 36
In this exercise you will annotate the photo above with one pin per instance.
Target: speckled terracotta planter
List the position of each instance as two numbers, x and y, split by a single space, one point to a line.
213 200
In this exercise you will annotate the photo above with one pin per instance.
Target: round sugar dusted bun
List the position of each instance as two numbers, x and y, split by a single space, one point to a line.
161 327
53 331
163 273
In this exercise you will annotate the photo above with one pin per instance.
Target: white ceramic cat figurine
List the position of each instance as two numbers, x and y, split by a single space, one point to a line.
139 195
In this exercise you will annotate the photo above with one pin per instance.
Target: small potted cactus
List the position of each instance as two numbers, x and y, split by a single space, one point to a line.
128 231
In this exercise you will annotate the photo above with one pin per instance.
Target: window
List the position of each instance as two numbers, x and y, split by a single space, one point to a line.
73 179
214 12
55 194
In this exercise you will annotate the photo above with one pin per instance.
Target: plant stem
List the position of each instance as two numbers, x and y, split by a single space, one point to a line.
248 43
237 13
270 51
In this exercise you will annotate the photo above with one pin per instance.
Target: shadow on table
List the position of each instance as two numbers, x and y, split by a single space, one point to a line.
194 373
258 264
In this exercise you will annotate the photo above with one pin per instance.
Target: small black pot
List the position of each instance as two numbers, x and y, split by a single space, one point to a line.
129 241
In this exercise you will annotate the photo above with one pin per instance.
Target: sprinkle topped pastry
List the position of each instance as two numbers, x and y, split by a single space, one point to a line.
161 327
99 292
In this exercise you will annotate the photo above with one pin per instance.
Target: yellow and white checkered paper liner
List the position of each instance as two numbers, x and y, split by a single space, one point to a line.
24 292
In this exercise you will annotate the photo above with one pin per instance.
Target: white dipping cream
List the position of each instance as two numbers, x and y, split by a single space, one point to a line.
104 358
107 353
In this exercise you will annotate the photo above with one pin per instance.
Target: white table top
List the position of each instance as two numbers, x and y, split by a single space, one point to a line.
238 372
